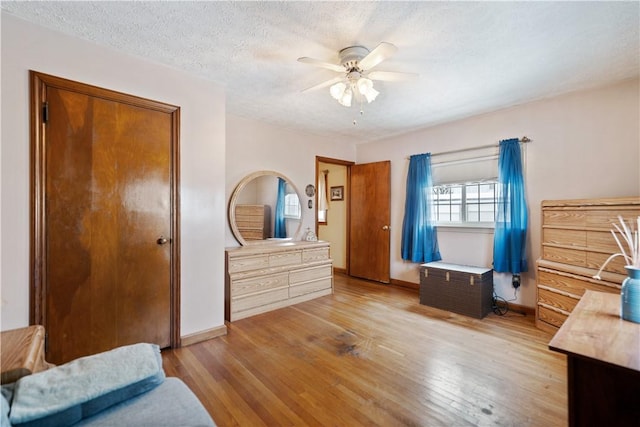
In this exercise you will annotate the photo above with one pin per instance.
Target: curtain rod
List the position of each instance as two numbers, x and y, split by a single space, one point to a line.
523 140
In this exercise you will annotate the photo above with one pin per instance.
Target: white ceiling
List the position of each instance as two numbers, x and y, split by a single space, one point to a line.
472 57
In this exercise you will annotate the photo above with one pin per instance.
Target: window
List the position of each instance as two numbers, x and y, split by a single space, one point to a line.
323 185
471 203
322 216
292 206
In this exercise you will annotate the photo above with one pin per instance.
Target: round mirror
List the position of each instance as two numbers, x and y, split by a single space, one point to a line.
265 207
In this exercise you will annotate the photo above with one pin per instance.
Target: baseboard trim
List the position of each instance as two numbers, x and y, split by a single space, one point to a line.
522 309
203 335
339 270
404 284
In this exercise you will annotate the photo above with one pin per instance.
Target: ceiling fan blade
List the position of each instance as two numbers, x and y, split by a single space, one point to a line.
383 51
318 63
391 76
324 84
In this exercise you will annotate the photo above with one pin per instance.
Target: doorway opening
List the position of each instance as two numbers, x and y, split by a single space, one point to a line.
332 208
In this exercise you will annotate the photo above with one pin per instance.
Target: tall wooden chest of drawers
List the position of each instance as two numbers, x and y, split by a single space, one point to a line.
254 221
576 241
264 277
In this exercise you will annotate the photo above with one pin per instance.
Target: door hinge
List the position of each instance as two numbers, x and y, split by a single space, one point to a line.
45 112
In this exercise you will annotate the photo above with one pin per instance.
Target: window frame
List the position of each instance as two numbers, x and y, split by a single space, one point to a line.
463 206
287 206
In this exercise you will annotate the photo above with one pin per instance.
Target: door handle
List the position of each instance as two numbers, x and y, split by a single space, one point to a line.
162 240
385 227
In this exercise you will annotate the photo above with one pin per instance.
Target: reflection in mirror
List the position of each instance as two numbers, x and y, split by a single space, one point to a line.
264 206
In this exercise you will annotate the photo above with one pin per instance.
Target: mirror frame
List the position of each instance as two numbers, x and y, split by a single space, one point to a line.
234 199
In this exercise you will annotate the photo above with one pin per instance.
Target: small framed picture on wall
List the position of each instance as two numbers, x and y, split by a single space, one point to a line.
337 193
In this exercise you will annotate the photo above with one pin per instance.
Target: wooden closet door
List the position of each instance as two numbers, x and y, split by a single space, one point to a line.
370 212
107 222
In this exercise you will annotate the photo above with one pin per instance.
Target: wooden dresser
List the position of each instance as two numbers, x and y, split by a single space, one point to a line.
603 363
264 277
254 221
576 241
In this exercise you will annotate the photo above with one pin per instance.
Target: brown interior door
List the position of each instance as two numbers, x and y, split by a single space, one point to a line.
104 206
370 213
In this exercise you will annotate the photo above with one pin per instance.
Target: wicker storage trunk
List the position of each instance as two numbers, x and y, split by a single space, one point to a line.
459 288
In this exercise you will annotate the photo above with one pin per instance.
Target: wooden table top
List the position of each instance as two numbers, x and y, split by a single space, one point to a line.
20 352
596 331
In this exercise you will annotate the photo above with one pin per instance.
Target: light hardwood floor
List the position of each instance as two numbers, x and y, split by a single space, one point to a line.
371 355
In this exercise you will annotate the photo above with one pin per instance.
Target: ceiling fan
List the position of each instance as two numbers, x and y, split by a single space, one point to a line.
357 74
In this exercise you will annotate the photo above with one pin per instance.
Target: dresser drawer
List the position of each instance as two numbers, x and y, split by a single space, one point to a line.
551 317
252 233
308 274
310 255
247 263
258 300
561 236
602 241
565 256
309 287
595 260
605 219
564 217
285 258
244 211
258 284
559 301
573 285
251 223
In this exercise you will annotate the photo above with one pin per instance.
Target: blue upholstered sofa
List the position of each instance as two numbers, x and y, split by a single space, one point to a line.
122 387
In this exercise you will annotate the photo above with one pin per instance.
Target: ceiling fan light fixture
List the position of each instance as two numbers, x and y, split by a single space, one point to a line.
361 88
342 93
371 95
365 87
346 98
337 90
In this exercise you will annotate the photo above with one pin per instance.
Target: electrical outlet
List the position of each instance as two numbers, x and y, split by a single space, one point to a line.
515 281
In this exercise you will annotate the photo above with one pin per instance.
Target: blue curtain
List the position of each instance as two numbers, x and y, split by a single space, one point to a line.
280 228
419 238
509 239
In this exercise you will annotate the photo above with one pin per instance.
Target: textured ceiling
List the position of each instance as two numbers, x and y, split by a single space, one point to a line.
472 57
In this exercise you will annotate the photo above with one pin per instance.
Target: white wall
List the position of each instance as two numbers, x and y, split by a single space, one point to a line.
253 146
202 139
585 145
